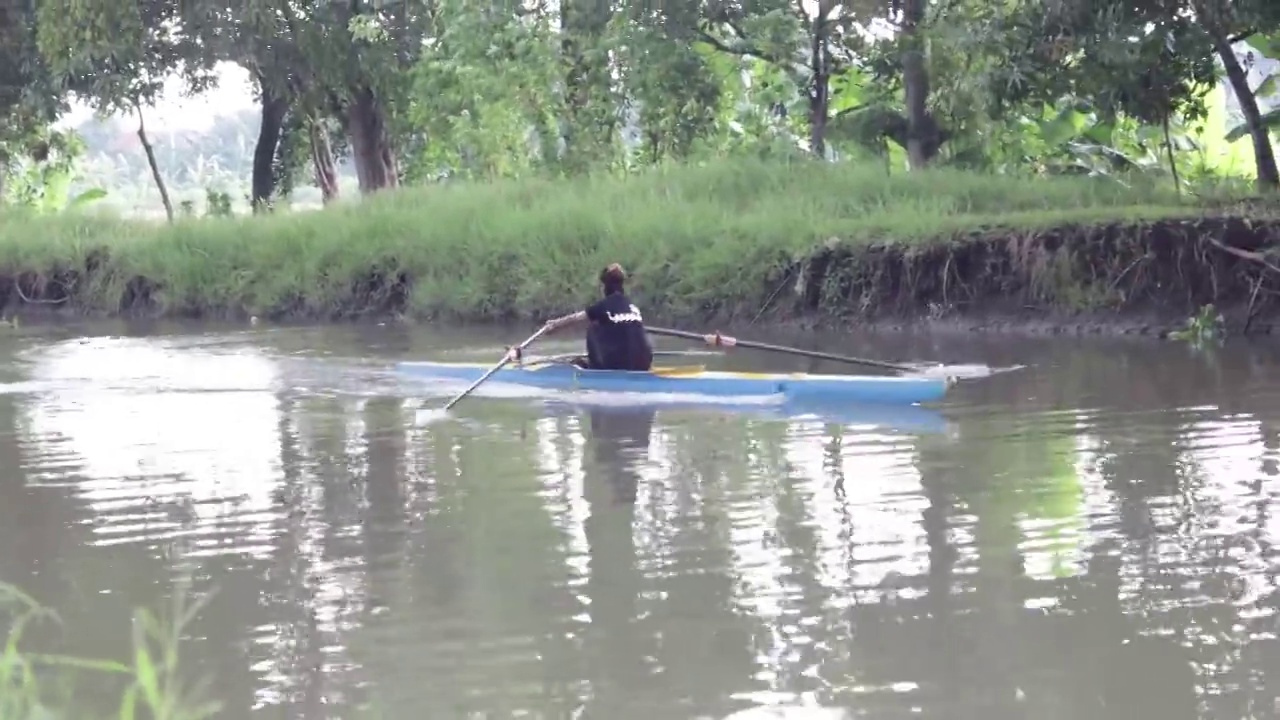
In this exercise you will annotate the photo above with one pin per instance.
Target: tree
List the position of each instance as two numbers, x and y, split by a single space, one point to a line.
1228 22
847 79
348 60
487 88
1073 72
680 95
484 101
591 117
116 55
235 32
251 34
29 99
921 133
782 34
360 53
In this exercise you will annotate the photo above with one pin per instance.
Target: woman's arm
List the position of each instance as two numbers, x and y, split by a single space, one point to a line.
550 326
565 321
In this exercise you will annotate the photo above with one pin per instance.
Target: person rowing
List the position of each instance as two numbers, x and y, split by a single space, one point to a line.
616 336
616 339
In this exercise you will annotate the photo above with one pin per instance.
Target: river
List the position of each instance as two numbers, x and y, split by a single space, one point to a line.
1091 536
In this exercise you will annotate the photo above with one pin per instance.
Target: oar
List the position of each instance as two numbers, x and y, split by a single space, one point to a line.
506 358
786 350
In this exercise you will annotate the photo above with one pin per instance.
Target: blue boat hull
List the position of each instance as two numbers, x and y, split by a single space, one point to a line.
913 419
696 381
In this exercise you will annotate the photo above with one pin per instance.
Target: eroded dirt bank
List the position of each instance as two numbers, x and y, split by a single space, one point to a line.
1130 277
1123 277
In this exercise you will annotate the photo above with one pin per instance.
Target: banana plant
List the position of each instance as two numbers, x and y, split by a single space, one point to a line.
44 184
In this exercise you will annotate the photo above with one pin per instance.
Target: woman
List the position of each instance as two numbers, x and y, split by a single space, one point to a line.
616 339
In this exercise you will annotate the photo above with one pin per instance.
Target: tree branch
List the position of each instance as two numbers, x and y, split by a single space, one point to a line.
851 110
1242 36
724 47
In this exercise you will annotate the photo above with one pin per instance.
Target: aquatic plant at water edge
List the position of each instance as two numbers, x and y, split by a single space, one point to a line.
1204 327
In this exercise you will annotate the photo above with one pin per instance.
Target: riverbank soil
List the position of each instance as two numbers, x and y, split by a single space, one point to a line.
1124 277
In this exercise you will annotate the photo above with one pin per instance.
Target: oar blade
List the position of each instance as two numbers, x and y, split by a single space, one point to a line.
961 372
426 416
444 411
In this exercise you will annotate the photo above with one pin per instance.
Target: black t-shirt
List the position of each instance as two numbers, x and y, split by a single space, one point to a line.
617 340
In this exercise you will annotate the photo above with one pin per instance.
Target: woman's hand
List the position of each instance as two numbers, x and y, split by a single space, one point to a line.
555 324
719 340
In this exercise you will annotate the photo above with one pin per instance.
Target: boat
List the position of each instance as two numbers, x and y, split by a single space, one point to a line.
695 380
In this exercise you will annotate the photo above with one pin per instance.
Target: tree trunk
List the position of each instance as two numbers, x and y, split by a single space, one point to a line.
151 160
322 161
263 184
1263 154
915 81
589 124
820 85
1173 163
375 160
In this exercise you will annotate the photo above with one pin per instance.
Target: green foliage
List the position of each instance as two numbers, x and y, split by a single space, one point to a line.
116 53
683 94
1070 87
195 160
29 96
486 82
476 90
1270 119
44 180
218 203
34 685
1201 329
1073 137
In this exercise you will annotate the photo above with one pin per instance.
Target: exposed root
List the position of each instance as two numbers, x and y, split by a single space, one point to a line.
764 307
36 288
377 294
1166 268
1245 254
139 296
17 288
1250 312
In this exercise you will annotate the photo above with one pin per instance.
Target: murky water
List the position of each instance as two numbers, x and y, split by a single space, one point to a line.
1091 537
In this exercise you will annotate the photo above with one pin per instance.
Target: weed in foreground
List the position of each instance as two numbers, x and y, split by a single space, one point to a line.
38 686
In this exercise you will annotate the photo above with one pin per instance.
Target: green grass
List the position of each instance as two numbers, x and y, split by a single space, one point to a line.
693 237
41 686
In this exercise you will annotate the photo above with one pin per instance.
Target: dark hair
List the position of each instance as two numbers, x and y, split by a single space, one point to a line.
612 278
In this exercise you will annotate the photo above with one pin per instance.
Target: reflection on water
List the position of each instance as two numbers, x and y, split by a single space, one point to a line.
1091 537
195 434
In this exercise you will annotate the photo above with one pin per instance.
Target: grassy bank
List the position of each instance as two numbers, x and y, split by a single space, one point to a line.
728 239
